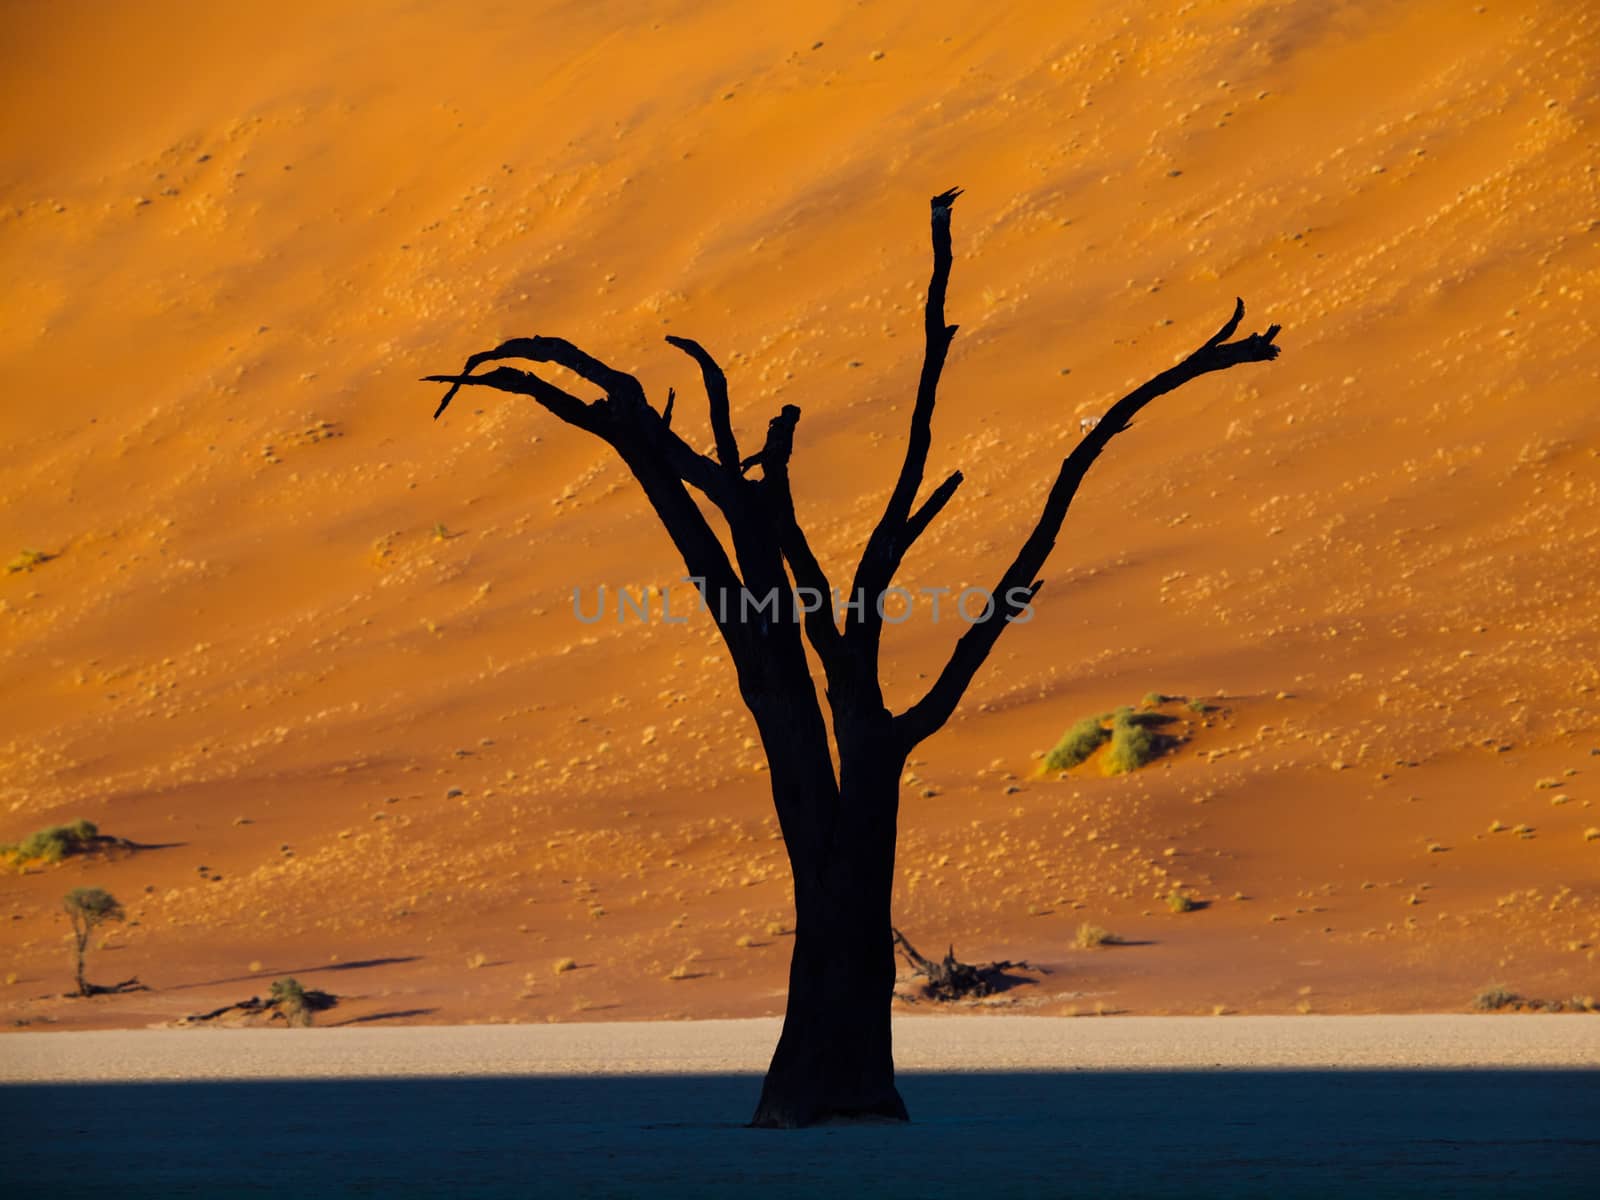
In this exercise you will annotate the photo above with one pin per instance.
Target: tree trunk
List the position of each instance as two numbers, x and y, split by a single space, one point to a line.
835 1057
81 942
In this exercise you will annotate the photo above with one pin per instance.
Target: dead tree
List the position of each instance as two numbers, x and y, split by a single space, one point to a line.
834 1056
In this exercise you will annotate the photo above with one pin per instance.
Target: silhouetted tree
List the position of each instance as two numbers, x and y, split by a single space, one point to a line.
87 909
834 1055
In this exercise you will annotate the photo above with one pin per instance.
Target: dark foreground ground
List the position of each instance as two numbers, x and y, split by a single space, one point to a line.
1277 1133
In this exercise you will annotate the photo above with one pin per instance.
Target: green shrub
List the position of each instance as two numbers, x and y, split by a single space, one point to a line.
1132 745
1077 744
53 844
1155 699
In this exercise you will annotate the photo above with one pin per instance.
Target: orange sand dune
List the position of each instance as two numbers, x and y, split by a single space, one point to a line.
299 634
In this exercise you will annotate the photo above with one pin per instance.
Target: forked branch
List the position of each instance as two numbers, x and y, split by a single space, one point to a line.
716 384
660 460
1019 583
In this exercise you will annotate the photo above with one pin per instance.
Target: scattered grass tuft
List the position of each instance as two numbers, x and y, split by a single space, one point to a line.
1495 997
563 965
1179 902
1090 937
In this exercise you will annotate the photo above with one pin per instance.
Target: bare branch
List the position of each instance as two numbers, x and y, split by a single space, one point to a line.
886 545
919 521
808 573
716 384
660 460
508 379
1229 325
622 390
1018 585
618 385
666 412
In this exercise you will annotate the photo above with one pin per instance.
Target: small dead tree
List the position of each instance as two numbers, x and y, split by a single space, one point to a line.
834 1057
88 909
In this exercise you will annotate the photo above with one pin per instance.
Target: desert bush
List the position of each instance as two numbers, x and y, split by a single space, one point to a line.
290 999
27 560
1077 744
1178 902
297 1003
563 965
1132 745
1155 699
1199 706
53 843
1091 936
1495 997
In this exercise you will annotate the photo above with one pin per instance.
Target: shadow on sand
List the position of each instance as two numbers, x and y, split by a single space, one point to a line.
267 974
399 1014
1081 1134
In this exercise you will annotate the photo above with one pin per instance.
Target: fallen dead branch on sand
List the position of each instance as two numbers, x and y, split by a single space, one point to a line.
956 980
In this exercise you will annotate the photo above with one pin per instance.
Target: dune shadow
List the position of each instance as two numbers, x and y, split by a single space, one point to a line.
267 974
1160 1133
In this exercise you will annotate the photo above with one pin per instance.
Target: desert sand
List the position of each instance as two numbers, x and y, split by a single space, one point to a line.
922 1044
317 652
